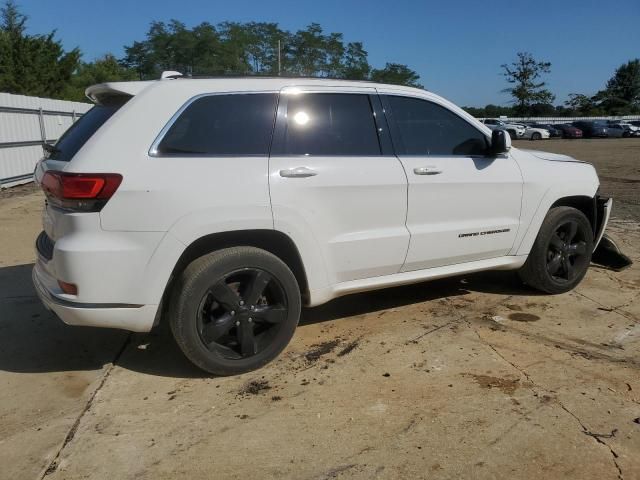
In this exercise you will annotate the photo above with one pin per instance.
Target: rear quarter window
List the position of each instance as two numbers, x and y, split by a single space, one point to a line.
236 124
83 129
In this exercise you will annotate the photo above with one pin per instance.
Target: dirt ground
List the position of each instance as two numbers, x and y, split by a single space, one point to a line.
617 161
470 377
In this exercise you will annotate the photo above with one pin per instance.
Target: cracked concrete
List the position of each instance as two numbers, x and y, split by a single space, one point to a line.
471 377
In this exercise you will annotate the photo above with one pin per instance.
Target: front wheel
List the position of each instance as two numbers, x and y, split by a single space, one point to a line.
234 310
536 136
561 253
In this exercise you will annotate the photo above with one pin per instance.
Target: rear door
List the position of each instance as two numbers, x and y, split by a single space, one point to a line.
335 184
462 205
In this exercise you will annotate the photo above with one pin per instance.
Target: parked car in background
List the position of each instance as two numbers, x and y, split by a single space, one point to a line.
515 130
554 131
535 133
629 129
616 130
635 123
569 131
592 129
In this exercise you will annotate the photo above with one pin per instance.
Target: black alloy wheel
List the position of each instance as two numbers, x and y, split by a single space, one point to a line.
241 312
567 252
234 310
561 253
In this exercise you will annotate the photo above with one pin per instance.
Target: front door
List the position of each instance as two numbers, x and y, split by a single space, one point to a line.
463 206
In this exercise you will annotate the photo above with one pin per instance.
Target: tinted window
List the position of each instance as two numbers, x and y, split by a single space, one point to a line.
223 125
330 124
429 129
82 130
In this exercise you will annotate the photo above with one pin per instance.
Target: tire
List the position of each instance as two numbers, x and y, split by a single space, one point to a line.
212 324
513 134
536 136
561 253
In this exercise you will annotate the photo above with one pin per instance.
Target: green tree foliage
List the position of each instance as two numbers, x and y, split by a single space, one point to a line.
583 105
524 74
32 64
38 65
621 95
355 65
252 49
105 69
396 73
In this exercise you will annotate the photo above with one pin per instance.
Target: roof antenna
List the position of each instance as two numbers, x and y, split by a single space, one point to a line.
170 75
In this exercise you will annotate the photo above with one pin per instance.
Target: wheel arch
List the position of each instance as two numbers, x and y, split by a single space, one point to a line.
272 241
583 203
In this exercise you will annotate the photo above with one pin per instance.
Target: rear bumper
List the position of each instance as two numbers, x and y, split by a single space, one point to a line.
136 318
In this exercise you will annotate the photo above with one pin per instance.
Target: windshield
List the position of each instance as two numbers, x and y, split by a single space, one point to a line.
77 135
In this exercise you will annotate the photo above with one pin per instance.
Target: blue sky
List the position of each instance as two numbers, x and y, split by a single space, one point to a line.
457 47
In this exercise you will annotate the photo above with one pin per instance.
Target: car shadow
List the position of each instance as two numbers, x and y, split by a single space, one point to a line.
33 340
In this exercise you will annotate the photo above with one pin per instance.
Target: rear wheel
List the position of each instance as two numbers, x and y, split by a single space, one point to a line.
561 253
234 310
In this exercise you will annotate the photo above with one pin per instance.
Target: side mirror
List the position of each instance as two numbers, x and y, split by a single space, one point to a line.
500 141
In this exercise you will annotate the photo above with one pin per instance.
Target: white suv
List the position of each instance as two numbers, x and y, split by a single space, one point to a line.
224 205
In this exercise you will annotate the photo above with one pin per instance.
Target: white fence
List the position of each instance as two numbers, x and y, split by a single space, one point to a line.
25 123
563 119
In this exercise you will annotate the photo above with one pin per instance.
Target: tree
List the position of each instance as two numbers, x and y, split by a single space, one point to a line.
622 93
105 69
355 65
32 64
397 74
524 75
311 53
583 105
252 48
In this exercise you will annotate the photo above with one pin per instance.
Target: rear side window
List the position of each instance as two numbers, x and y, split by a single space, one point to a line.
239 124
330 124
82 130
426 128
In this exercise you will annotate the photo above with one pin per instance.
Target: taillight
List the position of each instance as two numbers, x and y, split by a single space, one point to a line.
83 192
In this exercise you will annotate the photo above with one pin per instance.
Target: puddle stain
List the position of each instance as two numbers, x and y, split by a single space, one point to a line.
506 385
524 317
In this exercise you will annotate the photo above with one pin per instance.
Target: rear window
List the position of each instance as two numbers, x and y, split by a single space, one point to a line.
236 124
83 129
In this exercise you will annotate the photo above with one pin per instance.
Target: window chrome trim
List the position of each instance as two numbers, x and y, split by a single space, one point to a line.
153 150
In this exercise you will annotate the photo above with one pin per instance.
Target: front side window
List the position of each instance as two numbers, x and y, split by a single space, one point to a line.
238 124
426 128
330 124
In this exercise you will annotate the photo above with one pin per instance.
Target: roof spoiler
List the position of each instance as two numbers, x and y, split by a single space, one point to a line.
103 93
